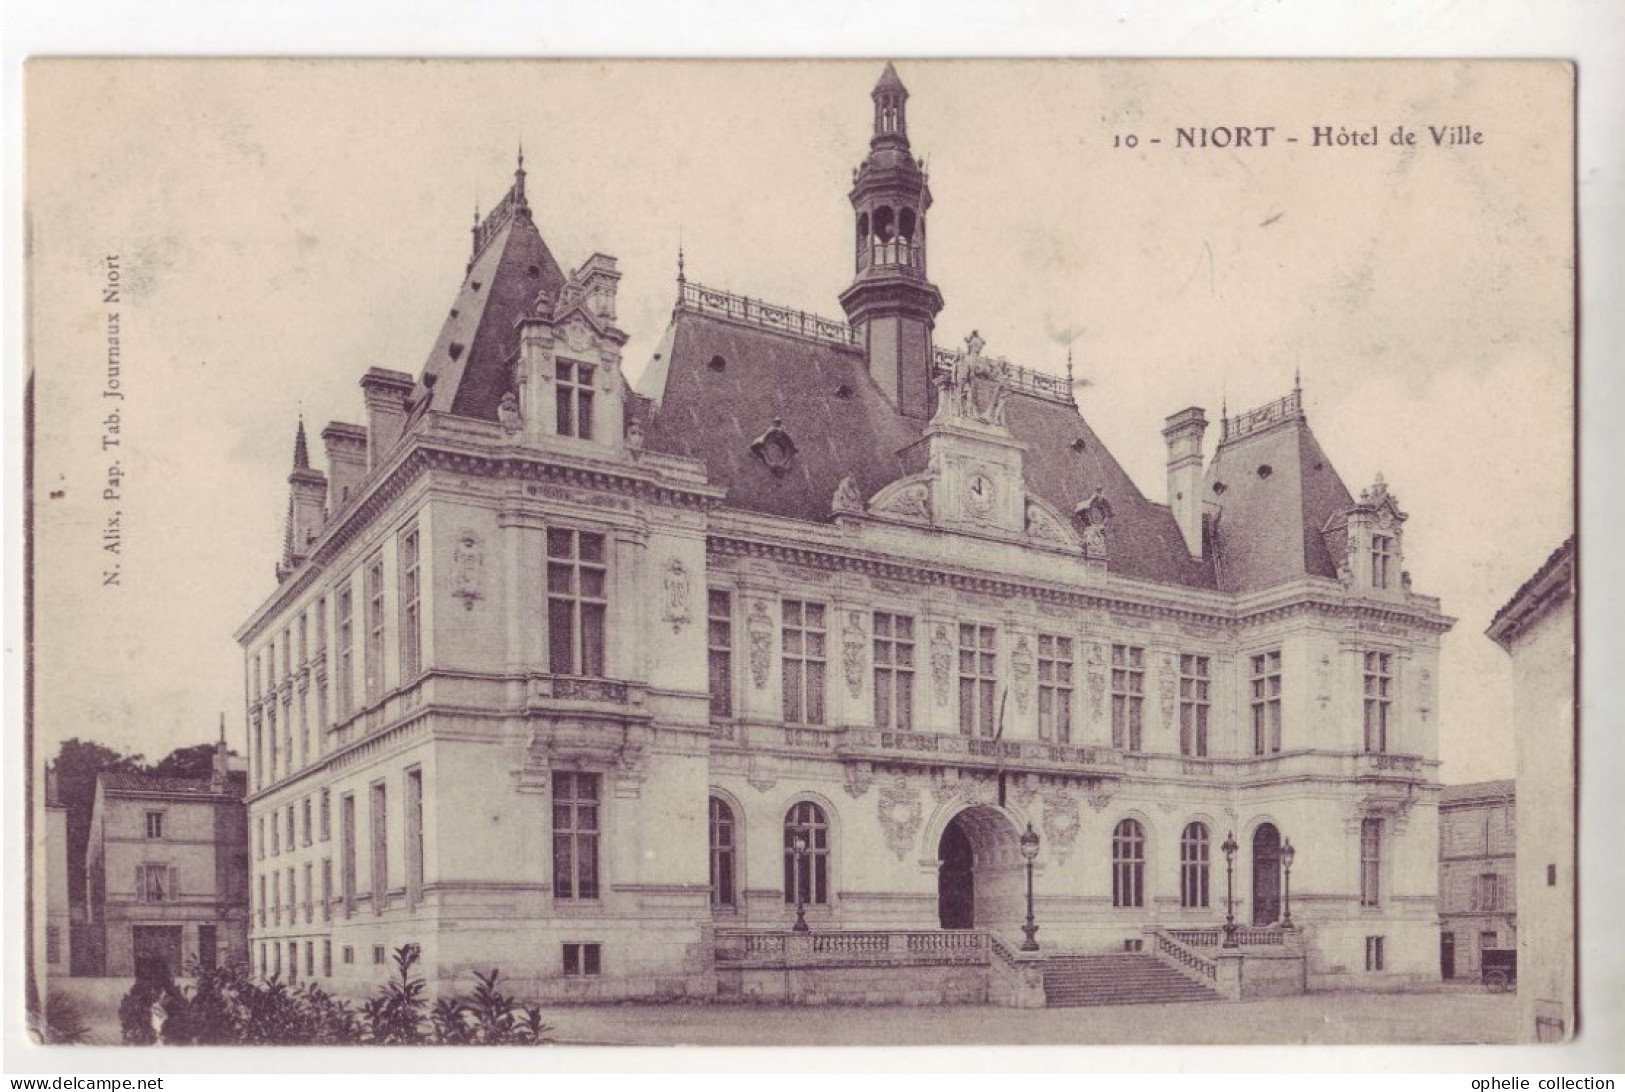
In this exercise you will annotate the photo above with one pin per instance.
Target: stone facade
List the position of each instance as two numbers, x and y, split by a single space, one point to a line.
1478 905
167 870
1537 628
581 681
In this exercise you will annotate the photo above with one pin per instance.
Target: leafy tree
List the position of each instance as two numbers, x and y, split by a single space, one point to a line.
78 762
194 761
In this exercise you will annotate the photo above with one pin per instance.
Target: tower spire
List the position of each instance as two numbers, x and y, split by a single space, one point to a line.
301 451
891 109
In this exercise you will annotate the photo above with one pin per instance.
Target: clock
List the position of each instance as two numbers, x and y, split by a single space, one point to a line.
980 493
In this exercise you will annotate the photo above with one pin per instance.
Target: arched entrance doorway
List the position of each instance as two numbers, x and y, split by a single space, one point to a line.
979 872
1266 875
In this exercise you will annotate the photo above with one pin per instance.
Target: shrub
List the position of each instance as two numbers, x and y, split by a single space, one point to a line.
226 1007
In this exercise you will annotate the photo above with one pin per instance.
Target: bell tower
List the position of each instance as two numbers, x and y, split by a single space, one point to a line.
891 302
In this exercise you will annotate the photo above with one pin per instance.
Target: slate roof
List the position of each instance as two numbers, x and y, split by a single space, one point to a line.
469 365
1478 790
713 416
127 782
1270 523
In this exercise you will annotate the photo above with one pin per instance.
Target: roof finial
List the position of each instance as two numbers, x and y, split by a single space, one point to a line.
682 277
1069 383
1297 378
301 452
222 726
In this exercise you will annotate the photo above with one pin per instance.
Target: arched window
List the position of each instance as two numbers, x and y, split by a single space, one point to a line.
1193 859
722 854
905 224
806 872
1128 864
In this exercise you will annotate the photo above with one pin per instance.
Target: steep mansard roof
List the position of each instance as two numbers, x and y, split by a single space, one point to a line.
842 424
1276 490
469 365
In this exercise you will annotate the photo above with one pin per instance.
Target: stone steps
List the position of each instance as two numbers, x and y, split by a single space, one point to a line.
1117 979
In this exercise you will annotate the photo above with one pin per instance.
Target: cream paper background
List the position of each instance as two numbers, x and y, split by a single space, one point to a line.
285 226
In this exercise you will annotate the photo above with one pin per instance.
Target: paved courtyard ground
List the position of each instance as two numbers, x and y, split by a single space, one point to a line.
1450 1015
1324 1019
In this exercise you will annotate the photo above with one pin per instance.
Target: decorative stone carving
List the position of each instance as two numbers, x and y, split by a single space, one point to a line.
468 568
1026 791
847 501
1168 688
760 628
1098 796
853 640
1021 671
942 662
508 415
900 816
859 776
944 789
1092 518
1097 679
1424 694
908 499
775 448
676 607
577 336
979 385
1323 681
1061 823
634 435
1043 527
758 776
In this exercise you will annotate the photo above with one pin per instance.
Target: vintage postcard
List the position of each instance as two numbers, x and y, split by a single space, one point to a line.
801 553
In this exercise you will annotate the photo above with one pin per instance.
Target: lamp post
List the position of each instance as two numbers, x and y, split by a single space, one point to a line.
799 844
1287 853
1029 850
1229 848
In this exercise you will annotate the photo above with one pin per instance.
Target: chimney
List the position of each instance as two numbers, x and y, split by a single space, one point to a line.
386 393
1184 431
346 461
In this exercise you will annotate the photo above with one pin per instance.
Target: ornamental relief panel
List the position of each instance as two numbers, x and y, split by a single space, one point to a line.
468 567
760 629
900 813
1061 823
1097 681
676 608
853 642
1021 669
1168 687
942 662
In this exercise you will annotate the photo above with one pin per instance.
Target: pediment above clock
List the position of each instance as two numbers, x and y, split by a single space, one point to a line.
908 499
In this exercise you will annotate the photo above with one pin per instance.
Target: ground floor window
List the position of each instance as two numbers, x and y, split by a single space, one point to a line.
806 872
583 960
1128 864
1373 953
1193 866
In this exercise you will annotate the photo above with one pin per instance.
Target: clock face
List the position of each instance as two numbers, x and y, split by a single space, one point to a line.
979 494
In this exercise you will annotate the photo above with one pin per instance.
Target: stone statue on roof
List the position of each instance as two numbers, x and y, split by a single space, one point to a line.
980 384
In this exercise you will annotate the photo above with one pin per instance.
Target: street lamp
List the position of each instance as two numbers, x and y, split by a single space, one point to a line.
799 844
1029 850
1287 853
1230 848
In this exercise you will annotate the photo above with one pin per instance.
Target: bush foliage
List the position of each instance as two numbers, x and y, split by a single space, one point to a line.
225 1007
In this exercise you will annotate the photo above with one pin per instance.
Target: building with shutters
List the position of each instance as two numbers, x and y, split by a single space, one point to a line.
609 685
1478 890
167 870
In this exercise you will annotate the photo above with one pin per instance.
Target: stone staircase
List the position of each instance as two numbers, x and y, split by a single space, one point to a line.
1126 978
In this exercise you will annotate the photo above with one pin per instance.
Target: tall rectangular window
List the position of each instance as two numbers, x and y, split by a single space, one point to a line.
1373 953
373 660
327 889
259 838
1128 696
1055 688
156 883
270 730
291 840
344 626
1266 703
293 897
304 822
574 391
414 835
1193 705
894 671
1382 560
347 851
719 639
276 832
576 602
1379 682
326 818
978 680
804 650
380 848
276 897
1487 892
287 737
259 752
310 894
155 824
1370 861
575 835
411 627
260 904
319 659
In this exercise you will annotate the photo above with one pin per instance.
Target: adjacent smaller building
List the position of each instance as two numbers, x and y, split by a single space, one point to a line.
1477 875
167 869
1537 628
58 911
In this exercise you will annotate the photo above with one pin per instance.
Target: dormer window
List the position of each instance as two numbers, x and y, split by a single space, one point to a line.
575 399
1382 560
775 448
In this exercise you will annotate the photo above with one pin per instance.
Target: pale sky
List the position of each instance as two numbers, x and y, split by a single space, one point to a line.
283 226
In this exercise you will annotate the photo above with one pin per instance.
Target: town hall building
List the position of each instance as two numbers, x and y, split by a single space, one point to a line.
836 646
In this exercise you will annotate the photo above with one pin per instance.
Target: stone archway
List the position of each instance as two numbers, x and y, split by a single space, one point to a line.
979 872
